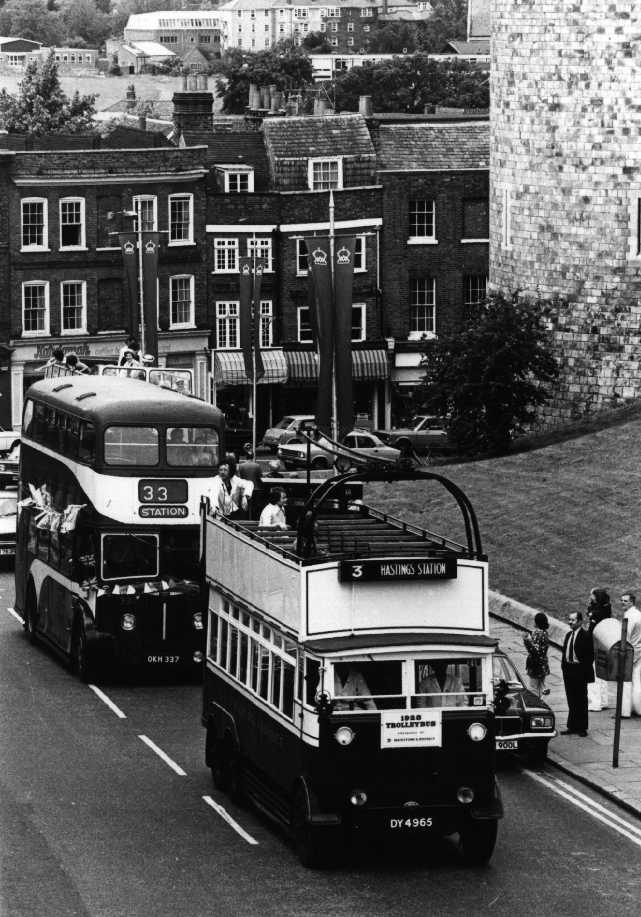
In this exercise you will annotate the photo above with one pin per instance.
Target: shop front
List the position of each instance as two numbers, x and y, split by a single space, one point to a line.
233 390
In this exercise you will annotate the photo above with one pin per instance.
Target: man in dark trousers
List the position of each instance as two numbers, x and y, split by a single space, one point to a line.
578 671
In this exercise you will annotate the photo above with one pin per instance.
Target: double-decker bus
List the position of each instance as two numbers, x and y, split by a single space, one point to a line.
348 686
107 559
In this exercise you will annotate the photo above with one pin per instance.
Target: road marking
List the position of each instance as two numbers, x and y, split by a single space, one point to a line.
165 757
107 700
224 814
15 614
595 809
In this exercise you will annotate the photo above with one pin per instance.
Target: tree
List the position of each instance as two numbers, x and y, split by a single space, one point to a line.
412 82
85 23
489 377
394 38
32 19
41 107
447 23
316 43
285 65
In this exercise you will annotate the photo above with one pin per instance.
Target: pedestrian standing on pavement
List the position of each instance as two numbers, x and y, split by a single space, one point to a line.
632 692
536 665
577 666
599 608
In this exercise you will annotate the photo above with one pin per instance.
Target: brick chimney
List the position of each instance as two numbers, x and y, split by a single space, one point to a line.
193 105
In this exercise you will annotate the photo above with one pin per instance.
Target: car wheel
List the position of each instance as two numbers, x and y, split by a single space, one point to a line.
477 841
536 753
320 462
31 614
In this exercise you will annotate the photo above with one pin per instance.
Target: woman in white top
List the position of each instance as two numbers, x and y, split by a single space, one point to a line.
229 494
273 515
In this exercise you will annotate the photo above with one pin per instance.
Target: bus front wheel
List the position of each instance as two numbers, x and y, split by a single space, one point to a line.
316 847
31 614
79 659
478 839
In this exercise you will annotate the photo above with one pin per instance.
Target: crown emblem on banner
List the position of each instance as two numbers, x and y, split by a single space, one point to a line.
150 247
319 256
343 255
129 248
245 269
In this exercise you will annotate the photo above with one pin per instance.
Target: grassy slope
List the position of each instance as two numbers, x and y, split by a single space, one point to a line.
555 521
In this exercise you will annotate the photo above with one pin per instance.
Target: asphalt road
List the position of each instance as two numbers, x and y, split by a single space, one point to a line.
106 811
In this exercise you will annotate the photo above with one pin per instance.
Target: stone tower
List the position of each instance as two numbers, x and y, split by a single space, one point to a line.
565 207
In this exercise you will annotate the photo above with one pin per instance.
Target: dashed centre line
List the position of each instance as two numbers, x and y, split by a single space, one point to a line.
163 756
108 701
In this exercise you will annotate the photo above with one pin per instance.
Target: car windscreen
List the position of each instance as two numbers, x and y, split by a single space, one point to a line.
284 423
131 446
129 555
503 670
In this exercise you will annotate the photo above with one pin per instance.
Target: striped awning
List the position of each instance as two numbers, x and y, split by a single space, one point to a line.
366 364
370 364
302 365
229 367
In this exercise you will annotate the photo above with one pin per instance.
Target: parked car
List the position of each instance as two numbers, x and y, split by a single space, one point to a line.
367 444
8 439
9 467
287 430
524 722
425 433
8 519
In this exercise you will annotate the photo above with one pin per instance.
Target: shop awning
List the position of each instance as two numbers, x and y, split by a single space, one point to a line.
366 364
229 368
302 365
370 364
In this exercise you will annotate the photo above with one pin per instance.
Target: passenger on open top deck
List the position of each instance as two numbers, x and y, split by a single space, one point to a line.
273 515
229 494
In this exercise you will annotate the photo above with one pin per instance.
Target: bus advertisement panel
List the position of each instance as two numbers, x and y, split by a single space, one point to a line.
111 477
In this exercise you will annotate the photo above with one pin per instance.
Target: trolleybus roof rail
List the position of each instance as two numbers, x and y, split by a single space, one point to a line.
311 509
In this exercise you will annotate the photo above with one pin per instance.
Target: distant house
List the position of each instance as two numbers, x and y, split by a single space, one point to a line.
142 56
177 31
18 52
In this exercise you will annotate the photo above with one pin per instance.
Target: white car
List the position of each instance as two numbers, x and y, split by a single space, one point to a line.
8 439
8 519
287 430
359 441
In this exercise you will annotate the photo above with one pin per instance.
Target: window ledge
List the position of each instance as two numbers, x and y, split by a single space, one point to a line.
108 248
73 248
74 332
184 243
35 334
189 326
470 241
35 249
421 336
422 240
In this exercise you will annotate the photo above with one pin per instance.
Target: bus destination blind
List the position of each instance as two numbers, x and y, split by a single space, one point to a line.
161 498
397 568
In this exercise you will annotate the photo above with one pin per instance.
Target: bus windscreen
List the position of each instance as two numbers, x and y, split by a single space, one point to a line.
129 555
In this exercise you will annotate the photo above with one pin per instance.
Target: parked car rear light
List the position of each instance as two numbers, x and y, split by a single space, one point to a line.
542 722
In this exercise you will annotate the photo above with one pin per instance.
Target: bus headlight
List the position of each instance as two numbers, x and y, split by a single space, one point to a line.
197 620
128 621
465 795
476 732
358 797
344 735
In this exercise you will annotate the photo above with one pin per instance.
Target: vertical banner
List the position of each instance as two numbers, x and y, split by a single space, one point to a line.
150 247
129 249
343 282
318 258
251 275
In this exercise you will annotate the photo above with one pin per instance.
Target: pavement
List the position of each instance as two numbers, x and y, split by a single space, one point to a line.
588 759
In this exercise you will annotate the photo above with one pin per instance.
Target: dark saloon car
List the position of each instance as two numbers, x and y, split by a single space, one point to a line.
9 466
524 722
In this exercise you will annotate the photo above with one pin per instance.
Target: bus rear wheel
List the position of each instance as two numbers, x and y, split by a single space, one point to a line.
478 839
226 771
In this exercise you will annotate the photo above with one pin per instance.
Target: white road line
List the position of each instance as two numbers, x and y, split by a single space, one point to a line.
613 821
224 814
164 756
107 700
597 805
15 614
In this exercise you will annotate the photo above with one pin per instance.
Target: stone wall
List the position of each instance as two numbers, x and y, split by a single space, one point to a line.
566 185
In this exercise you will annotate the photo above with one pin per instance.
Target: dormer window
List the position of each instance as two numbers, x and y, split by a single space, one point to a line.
325 174
237 179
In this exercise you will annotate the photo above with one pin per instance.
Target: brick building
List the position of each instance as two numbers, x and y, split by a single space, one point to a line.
566 186
62 267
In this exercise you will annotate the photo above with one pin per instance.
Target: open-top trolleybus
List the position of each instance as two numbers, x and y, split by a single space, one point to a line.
111 476
348 675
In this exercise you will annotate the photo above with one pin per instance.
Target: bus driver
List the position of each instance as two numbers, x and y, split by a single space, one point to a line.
350 683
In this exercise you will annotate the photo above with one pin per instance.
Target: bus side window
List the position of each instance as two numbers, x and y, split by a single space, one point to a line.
288 689
39 422
312 678
51 428
87 445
